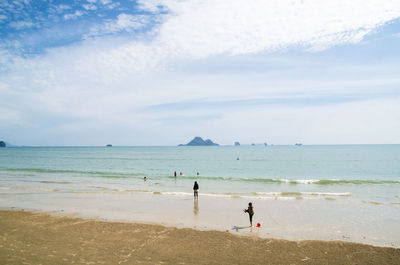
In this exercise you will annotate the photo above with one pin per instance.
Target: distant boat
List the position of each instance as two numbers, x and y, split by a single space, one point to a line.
298 144
109 145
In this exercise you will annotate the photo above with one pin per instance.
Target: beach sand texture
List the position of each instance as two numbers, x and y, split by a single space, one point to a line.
39 238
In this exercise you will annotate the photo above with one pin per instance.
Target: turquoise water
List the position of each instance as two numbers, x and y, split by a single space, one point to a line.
353 172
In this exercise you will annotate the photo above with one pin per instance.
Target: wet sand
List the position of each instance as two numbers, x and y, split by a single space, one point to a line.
39 238
292 220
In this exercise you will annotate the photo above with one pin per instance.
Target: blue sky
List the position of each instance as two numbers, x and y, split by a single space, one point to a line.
159 72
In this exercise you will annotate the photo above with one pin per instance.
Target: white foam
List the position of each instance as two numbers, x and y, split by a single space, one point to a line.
300 193
307 181
285 198
327 193
177 193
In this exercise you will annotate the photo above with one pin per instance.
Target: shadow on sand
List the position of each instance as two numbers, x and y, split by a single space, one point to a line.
239 227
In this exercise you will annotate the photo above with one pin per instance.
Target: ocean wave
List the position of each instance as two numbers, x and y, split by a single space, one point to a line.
288 195
292 181
273 195
55 182
302 193
116 175
77 172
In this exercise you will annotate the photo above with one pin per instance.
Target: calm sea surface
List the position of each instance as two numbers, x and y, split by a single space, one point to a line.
347 172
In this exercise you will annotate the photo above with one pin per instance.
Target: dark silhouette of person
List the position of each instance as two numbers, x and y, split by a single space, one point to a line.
250 211
196 190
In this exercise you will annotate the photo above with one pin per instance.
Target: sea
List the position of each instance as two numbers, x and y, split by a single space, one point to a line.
361 178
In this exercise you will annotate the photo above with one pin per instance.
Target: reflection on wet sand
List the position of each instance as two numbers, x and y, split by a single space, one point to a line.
196 207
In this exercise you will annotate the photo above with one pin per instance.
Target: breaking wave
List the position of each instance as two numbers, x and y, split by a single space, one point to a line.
116 175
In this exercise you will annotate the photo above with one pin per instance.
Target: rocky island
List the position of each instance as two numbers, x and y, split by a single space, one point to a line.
2 144
198 141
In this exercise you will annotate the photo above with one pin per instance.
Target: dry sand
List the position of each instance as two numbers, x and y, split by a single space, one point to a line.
38 238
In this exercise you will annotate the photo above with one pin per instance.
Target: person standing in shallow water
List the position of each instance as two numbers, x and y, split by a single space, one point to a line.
250 211
196 190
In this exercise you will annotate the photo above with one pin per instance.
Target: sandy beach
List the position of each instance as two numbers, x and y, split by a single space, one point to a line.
40 238
293 220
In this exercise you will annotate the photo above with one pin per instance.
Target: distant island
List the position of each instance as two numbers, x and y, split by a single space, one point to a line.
109 145
237 144
198 141
6 144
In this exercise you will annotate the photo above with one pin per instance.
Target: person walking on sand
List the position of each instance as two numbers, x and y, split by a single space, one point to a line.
196 190
250 211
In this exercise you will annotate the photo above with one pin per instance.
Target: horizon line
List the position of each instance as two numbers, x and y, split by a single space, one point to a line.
219 145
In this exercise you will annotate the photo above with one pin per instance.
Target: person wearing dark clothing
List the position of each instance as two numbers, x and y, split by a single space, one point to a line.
250 211
195 190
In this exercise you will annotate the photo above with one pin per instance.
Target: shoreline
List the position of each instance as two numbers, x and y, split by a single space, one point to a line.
293 220
50 239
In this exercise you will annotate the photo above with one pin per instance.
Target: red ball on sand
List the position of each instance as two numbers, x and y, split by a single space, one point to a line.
258 225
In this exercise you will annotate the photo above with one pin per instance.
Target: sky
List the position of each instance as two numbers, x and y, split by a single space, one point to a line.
160 72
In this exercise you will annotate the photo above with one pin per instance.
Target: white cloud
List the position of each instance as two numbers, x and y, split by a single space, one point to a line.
74 15
90 7
61 85
61 8
21 24
199 29
203 28
366 122
3 18
112 81
106 2
11 117
123 22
